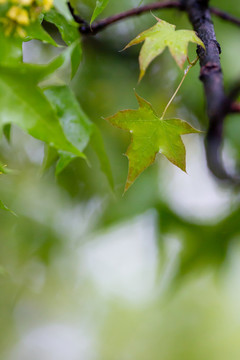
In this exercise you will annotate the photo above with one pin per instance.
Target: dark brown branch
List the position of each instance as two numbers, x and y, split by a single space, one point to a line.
85 28
77 18
218 104
102 24
225 16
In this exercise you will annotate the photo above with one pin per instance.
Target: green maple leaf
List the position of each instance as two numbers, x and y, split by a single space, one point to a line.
160 36
151 135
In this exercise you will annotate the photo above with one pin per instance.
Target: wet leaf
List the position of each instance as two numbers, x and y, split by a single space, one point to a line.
151 135
78 129
32 111
160 36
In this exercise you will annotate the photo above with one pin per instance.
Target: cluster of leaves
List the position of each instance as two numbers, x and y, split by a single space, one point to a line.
51 114
150 133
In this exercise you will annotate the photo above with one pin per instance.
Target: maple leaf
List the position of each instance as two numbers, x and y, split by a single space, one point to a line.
160 36
151 135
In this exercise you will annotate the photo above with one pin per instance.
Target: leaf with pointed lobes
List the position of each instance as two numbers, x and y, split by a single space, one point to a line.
151 135
160 36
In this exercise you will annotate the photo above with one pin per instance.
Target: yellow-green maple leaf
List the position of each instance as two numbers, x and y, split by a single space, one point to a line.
160 36
151 135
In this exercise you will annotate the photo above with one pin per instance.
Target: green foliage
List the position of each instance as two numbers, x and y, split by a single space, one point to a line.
77 128
204 246
68 30
32 111
160 36
11 50
70 35
74 122
52 115
62 258
36 31
55 117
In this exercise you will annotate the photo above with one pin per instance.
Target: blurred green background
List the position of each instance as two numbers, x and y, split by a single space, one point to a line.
87 273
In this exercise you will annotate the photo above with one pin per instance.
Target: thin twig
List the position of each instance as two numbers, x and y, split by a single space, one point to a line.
102 24
76 18
225 16
191 64
85 28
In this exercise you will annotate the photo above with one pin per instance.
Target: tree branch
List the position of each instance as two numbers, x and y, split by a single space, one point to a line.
77 18
85 28
218 104
225 16
102 24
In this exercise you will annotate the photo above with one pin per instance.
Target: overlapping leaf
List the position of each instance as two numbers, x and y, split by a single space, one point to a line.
36 31
160 36
69 33
67 29
11 49
78 129
53 116
74 122
23 103
151 135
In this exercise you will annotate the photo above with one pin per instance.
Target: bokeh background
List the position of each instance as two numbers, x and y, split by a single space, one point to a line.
86 273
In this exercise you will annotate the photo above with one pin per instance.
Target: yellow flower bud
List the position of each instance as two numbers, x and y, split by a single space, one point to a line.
8 28
24 2
20 32
47 4
19 15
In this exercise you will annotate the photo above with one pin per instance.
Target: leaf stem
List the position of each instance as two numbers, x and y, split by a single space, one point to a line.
191 64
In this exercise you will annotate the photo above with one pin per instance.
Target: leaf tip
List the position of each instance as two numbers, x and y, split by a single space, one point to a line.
181 165
131 43
141 75
127 186
200 42
159 20
125 47
180 60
